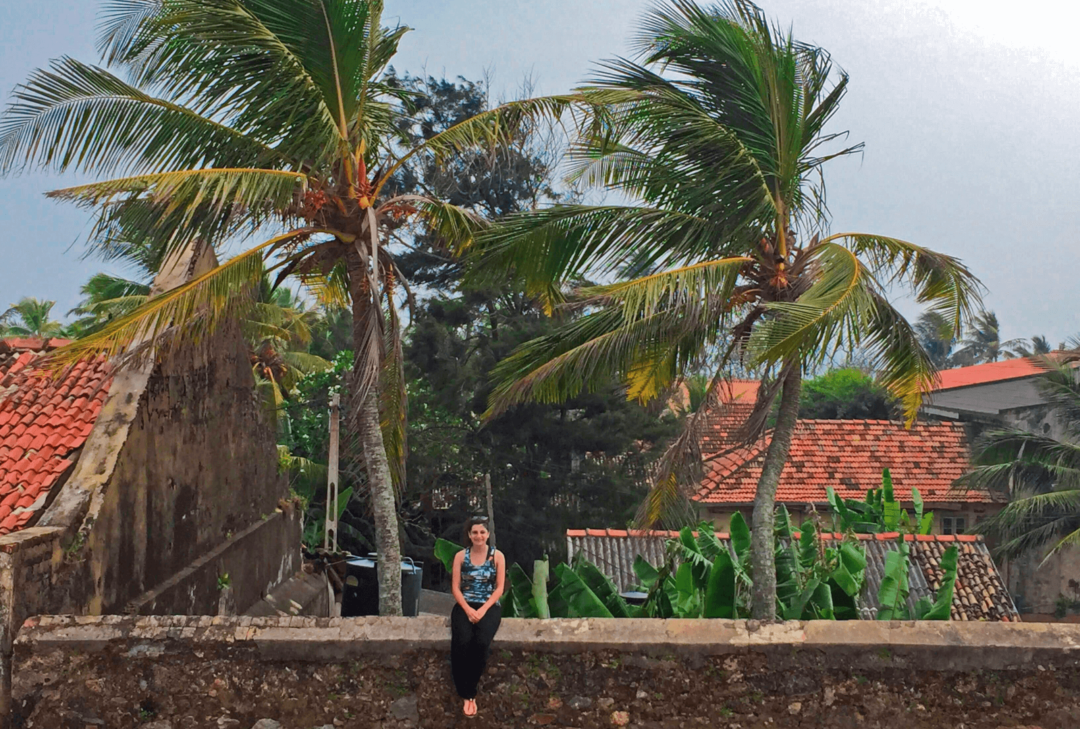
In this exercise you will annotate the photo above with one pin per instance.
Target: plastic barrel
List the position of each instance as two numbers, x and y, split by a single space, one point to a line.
411 576
361 595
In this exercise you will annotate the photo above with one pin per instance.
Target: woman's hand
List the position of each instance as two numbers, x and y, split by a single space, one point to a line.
480 613
474 615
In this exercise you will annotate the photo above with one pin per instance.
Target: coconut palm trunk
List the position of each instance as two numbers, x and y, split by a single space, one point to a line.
365 424
762 555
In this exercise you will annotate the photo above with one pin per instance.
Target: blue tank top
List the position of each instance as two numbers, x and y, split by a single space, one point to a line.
478 582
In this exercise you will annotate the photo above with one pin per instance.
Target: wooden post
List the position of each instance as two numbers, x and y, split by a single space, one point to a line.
490 509
332 474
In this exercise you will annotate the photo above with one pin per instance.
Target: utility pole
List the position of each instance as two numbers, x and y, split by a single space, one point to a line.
491 509
332 473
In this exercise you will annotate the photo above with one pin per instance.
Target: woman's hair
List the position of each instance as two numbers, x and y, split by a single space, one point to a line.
469 524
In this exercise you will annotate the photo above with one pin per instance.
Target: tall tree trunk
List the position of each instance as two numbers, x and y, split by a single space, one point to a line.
365 419
762 557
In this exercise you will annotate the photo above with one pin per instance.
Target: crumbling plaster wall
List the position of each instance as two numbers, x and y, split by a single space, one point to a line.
198 467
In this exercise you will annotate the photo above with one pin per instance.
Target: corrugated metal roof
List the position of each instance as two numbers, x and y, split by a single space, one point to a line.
979 594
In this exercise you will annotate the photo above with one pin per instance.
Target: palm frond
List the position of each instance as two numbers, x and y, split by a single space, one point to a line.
456 227
257 62
185 315
821 319
936 279
543 248
171 209
393 399
647 353
688 286
80 117
488 130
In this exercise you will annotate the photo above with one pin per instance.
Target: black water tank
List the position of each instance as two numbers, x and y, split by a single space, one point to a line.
362 587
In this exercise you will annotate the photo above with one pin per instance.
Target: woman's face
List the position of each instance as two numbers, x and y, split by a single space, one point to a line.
478 534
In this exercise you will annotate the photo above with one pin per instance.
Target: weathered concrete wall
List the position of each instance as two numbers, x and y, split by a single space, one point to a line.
1036 586
199 466
386 672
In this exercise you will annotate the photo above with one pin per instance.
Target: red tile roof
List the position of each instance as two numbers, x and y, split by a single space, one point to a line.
737 400
44 420
848 455
982 374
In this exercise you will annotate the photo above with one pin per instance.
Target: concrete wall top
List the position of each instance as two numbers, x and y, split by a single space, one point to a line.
938 645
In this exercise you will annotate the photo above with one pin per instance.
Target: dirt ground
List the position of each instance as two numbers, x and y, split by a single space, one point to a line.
169 691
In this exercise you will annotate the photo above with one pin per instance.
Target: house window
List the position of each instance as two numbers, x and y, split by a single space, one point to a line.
953 524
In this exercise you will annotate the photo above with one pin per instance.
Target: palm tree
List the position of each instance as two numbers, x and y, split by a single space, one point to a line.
936 336
1038 346
32 317
1037 472
982 343
236 118
717 131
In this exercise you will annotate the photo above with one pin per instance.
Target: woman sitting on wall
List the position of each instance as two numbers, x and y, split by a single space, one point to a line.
479 572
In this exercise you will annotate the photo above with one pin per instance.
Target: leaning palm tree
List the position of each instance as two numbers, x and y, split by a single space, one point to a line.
30 318
717 132
982 344
1038 473
227 119
1036 347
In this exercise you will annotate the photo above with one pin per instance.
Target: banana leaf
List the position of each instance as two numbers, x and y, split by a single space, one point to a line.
445 552
581 601
893 593
890 507
821 603
557 603
691 554
645 572
942 607
539 588
602 587
686 602
845 606
808 545
840 509
517 601
917 504
926 524
720 592
740 539
798 607
707 543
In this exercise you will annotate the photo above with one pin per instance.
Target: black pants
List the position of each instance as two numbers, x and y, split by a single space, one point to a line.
470 645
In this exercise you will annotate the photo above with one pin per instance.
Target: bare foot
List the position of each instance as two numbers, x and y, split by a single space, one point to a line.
470 707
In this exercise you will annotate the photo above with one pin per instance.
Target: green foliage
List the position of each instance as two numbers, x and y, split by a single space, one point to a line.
941 608
893 593
879 511
1037 473
845 394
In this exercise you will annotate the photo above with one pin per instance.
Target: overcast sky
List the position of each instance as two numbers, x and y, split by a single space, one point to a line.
968 110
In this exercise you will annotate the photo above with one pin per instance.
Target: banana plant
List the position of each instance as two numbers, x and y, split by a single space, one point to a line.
893 593
879 511
814 581
941 608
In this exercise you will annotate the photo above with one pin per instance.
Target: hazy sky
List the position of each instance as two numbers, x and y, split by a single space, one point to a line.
968 111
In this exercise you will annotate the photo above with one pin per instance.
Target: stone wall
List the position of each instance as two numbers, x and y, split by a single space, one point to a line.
300 673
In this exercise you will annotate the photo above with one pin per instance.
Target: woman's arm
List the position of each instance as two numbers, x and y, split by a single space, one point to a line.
500 579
